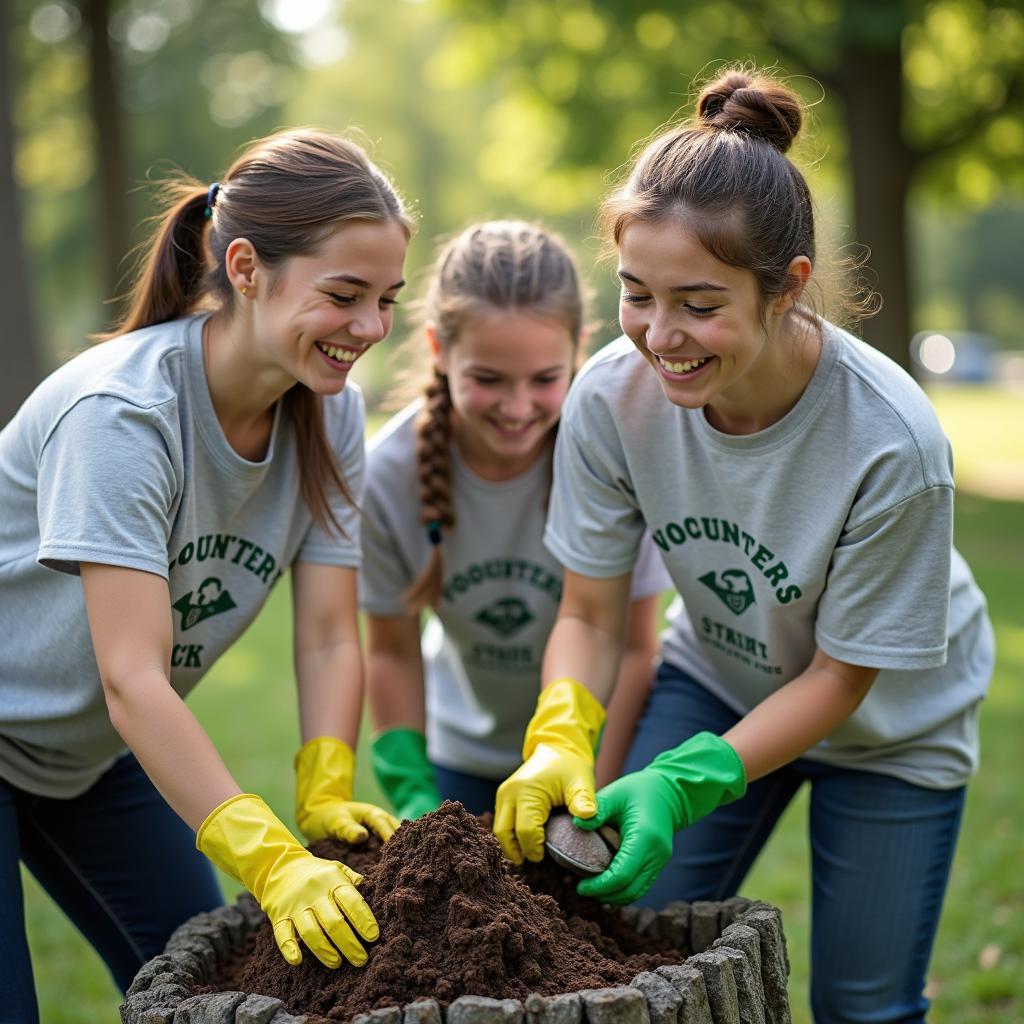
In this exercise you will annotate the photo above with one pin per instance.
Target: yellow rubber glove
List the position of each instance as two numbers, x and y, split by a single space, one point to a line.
558 769
304 897
323 795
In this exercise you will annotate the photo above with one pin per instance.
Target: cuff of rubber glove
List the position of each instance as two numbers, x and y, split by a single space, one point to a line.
567 712
325 759
217 810
705 772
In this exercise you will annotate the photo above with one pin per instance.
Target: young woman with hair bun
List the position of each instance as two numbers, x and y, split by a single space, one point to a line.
154 488
456 495
800 489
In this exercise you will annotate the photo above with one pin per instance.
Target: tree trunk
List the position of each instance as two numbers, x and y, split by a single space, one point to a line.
112 174
871 80
21 364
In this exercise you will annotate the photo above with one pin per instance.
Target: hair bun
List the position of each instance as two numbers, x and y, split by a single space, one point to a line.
757 106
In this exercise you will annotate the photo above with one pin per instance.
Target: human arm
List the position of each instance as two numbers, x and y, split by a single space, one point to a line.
329 676
631 689
684 784
580 664
129 616
396 693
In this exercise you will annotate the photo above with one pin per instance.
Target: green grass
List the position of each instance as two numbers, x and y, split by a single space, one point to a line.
248 705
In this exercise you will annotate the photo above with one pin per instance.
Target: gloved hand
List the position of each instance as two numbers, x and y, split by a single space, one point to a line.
304 897
323 795
558 769
678 788
400 763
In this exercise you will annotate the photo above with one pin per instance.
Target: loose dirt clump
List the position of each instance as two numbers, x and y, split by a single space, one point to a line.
455 919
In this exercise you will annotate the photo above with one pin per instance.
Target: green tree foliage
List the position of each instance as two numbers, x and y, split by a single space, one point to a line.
918 94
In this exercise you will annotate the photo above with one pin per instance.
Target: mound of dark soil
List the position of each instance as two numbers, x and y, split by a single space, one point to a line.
455 919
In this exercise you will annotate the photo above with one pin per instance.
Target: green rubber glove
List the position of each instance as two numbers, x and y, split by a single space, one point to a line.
648 807
399 758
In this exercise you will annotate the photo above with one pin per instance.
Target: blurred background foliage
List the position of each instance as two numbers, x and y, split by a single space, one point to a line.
481 108
486 108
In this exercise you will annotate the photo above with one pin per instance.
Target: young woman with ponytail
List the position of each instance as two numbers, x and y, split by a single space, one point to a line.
456 495
799 485
153 489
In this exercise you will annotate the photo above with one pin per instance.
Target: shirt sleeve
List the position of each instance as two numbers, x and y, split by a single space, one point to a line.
107 488
328 546
650 576
594 526
386 573
886 600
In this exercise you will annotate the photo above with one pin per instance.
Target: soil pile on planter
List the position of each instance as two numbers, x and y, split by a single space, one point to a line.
455 919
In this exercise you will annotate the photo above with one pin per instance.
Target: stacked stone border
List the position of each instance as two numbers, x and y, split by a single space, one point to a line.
736 975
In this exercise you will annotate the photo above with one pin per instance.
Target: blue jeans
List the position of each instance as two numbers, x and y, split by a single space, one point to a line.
117 860
476 794
881 851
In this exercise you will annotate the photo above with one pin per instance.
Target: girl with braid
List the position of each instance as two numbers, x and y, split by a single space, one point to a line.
456 495
830 636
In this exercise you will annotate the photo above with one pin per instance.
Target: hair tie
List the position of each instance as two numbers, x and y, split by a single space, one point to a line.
211 199
434 531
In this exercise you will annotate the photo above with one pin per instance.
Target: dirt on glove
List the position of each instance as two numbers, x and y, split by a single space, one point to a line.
455 919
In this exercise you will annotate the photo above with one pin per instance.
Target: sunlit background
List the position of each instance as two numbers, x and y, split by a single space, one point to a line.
485 108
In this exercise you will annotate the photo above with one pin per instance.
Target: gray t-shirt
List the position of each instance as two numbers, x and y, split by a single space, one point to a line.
831 528
118 458
482 652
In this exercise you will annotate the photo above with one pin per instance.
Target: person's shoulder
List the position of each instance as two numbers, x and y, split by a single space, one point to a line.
614 375
393 445
138 375
891 403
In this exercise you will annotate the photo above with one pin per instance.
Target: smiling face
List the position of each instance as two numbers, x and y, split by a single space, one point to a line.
508 374
703 326
315 315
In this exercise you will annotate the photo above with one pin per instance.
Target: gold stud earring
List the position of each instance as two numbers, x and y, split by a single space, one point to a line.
244 290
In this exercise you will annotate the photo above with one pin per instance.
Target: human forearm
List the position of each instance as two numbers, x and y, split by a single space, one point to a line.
799 715
624 710
395 690
579 649
170 744
330 687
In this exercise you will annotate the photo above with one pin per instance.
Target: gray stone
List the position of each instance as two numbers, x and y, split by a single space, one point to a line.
674 924
561 1009
257 1009
481 1010
162 996
748 942
749 993
284 1017
732 909
211 1008
198 947
423 1011
663 1001
164 969
250 910
647 921
384 1015
614 1006
767 922
689 983
721 985
704 927
156 1015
